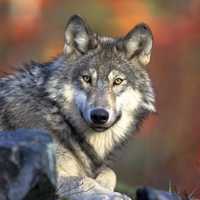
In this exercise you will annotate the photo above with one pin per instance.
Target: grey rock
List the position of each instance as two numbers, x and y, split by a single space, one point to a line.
27 165
148 193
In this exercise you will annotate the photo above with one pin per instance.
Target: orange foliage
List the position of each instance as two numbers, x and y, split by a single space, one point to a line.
129 12
24 19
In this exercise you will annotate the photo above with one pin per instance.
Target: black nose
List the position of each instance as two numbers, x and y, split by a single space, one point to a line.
99 116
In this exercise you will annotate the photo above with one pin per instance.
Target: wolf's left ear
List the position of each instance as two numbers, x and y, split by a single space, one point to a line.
138 43
78 36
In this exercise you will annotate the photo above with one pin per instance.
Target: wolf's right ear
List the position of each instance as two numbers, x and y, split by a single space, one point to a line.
78 36
137 44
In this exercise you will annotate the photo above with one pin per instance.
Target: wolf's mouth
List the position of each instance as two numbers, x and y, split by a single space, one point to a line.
99 129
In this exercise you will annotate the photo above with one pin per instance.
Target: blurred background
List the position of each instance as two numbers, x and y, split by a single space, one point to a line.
167 148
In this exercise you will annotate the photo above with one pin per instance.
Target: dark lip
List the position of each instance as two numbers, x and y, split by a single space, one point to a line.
99 129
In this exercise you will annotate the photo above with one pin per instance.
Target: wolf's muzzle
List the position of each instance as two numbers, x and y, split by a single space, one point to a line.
99 116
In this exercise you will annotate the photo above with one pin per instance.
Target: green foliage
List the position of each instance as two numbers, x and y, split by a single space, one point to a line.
126 189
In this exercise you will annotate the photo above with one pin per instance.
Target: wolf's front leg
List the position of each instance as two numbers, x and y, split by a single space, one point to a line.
107 178
85 188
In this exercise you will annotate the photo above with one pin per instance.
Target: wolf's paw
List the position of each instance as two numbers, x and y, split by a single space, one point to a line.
84 188
111 196
104 196
118 196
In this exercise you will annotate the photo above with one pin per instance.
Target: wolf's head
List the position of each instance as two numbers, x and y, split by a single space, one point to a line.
104 81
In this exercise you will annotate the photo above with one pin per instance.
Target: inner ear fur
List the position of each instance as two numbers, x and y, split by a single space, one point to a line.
137 44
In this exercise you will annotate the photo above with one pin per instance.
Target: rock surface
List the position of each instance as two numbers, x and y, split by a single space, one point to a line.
27 165
148 193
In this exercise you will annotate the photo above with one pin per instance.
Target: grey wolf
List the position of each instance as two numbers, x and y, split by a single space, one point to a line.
90 98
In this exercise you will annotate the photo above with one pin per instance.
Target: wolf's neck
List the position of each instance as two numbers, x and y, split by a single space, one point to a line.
102 143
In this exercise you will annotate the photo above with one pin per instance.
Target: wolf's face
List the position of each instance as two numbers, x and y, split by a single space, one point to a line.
106 77
100 96
104 91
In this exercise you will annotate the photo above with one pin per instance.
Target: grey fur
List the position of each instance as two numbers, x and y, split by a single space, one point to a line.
53 97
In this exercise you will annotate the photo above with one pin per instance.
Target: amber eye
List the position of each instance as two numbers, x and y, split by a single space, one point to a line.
118 81
87 78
